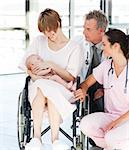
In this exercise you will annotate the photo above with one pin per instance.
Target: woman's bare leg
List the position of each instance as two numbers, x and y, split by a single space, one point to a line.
55 119
38 106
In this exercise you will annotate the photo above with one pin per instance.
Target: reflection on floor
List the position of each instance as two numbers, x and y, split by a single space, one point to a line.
10 87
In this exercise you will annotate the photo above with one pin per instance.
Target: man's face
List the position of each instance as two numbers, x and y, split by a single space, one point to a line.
91 32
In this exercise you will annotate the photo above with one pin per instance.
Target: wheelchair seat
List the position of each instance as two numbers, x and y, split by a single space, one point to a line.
25 122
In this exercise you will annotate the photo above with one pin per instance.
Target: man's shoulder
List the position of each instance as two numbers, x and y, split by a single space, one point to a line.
80 39
82 42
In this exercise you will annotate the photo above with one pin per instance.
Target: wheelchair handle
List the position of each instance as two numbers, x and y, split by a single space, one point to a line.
78 82
78 101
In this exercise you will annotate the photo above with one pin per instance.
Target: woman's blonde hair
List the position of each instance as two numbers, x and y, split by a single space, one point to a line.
49 20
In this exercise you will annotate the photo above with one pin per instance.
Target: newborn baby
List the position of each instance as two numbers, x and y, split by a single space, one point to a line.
48 73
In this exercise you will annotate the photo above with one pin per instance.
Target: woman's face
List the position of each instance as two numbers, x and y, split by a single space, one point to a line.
51 35
107 47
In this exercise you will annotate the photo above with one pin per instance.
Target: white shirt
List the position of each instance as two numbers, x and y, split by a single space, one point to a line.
69 57
87 54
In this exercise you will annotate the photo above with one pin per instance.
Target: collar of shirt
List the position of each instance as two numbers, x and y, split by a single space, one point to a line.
99 51
99 47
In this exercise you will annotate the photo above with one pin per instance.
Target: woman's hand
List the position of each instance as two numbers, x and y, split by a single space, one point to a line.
33 76
40 67
80 94
112 125
118 121
44 72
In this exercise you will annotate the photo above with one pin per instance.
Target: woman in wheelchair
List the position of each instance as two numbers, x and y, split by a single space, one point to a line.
63 57
110 129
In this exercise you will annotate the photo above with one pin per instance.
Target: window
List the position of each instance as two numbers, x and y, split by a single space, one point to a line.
12 35
118 14
80 9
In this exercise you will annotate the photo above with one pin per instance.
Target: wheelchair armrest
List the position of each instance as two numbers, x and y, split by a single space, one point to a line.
78 101
27 81
78 82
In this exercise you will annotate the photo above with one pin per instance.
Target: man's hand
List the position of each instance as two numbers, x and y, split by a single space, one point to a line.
80 94
99 93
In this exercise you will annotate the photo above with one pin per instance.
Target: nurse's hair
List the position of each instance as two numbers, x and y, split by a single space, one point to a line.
49 20
118 36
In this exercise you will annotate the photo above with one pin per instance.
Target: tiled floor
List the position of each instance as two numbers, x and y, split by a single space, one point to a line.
10 87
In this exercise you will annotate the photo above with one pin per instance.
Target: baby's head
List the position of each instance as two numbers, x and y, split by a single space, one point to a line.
33 60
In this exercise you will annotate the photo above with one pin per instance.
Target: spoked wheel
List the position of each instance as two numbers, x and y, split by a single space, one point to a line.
23 123
72 148
80 142
78 147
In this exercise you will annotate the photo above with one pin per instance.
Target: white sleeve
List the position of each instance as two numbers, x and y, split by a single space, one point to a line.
85 46
75 61
32 49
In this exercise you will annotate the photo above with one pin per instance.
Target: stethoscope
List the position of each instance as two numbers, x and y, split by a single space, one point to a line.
126 79
87 61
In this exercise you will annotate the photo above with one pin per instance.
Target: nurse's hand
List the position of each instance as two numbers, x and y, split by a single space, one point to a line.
99 93
80 94
112 125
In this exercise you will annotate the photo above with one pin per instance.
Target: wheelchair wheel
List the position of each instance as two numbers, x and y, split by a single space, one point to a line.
24 122
80 142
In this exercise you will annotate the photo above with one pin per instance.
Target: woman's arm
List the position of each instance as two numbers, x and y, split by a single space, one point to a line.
81 93
88 82
44 72
118 121
64 74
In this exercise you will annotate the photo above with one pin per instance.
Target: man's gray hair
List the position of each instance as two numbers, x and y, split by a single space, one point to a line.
99 17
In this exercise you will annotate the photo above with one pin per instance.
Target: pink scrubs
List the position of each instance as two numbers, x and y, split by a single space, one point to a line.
116 104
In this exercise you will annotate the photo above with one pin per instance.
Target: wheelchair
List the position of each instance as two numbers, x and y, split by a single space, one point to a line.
25 121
